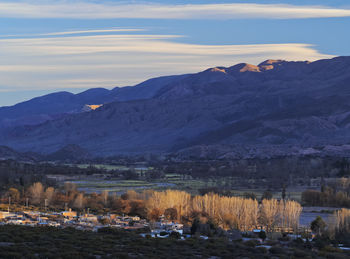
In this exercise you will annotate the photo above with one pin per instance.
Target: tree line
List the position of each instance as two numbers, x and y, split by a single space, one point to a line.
335 195
228 212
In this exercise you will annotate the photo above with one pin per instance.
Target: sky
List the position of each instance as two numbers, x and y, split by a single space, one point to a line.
72 45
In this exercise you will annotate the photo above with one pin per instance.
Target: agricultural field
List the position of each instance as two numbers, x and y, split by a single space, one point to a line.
108 167
175 181
117 186
116 178
193 185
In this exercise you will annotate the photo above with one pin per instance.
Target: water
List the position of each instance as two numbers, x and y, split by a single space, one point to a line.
307 217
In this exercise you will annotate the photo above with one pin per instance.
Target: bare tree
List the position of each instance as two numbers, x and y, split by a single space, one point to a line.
104 195
342 222
227 212
79 201
36 192
14 194
269 213
69 187
49 194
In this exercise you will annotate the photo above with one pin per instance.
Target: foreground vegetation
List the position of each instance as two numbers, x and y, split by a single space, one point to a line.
42 242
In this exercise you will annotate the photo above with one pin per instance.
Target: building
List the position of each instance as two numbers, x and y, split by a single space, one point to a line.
69 214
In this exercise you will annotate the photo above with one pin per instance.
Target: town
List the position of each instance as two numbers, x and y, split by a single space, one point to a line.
88 221
161 228
269 224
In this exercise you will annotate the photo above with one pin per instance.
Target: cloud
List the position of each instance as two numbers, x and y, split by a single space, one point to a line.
78 61
89 31
110 10
64 33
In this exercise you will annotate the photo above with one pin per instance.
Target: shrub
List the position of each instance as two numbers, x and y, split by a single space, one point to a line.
251 243
331 249
277 250
298 253
284 238
175 235
318 225
262 235
262 250
321 242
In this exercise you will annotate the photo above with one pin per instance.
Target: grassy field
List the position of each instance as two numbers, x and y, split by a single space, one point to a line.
176 181
111 167
118 186
109 184
193 185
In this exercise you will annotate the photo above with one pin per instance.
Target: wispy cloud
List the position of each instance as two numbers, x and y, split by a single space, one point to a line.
89 31
63 33
110 10
78 61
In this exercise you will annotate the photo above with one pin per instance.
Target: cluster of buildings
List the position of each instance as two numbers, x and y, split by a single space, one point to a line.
29 218
86 221
91 222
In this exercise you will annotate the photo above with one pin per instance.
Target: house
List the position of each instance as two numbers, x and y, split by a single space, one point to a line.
121 223
135 218
53 224
4 215
69 214
89 218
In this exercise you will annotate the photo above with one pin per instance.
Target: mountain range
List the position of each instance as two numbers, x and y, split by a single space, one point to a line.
274 108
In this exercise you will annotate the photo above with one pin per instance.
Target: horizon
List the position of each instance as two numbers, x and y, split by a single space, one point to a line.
50 46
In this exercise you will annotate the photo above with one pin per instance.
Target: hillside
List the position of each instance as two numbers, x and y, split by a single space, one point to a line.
58 105
7 153
69 153
277 107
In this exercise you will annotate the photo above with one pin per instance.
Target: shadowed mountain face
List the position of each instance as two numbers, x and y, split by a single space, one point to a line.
7 153
58 105
69 153
275 107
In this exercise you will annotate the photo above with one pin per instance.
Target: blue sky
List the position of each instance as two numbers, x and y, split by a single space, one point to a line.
69 45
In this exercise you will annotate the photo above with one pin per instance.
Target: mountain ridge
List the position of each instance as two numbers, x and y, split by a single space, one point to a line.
289 106
59 104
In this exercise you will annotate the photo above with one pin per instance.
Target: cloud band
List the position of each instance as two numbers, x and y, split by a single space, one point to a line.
104 10
111 60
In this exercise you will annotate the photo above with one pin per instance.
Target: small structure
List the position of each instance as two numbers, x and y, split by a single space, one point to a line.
69 214
4 215
89 218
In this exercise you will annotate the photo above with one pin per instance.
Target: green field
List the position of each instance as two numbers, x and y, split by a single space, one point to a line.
118 186
176 181
108 167
173 181
193 185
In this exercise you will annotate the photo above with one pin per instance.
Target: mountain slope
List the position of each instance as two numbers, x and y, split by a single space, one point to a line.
51 106
276 106
69 153
58 105
7 153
